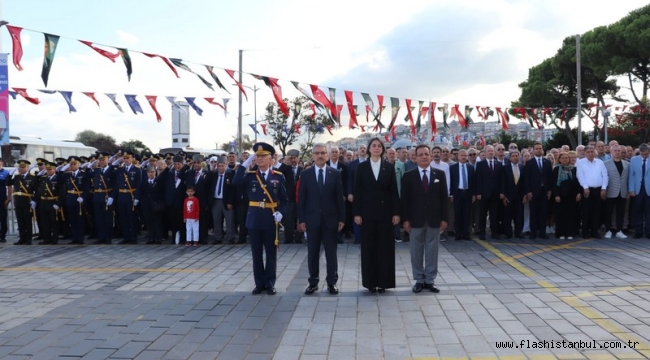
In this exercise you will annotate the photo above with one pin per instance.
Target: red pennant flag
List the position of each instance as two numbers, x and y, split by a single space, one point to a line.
456 112
319 95
386 137
263 128
110 56
152 102
329 129
169 64
368 110
277 93
363 128
211 101
534 112
92 96
313 110
432 111
393 132
231 73
23 92
349 99
17 46
480 113
502 116
296 128
563 115
482 140
410 115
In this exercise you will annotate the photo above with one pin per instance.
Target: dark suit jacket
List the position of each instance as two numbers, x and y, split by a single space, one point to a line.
228 189
352 171
340 166
290 180
153 196
201 186
508 188
536 177
419 206
376 200
454 179
316 208
487 181
174 196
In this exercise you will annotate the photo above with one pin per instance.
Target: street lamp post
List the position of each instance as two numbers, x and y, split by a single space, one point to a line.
254 88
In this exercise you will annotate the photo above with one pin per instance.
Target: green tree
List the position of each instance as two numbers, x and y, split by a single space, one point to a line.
505 138
136 146
247 143
560 138
97 140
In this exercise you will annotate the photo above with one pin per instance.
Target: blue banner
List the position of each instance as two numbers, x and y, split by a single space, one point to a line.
4 100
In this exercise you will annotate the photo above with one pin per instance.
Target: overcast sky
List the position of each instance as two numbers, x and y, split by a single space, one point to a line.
460 52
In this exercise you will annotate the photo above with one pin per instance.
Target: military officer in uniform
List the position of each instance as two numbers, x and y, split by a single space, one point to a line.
48 203
267 202
75 190
103 181
127 194
24 184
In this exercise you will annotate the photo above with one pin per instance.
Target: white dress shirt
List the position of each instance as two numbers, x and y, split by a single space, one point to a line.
444 167
592 174
375 165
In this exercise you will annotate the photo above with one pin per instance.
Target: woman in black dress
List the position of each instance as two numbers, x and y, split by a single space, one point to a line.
376 210
566 192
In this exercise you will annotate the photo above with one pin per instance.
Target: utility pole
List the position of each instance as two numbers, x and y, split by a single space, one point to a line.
239 115
579 89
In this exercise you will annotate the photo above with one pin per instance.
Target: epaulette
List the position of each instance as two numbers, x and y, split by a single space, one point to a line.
251 172
276 172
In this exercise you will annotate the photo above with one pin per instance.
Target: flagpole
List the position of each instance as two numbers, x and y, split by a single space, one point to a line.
579 89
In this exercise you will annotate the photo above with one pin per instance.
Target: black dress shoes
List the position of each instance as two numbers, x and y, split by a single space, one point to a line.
373 290
381 290
271 291
311 289
418 287
432 288
333 289
258 290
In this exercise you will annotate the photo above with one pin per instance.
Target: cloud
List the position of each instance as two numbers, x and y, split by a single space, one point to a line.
127 38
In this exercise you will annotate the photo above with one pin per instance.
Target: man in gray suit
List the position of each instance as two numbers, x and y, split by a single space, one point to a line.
618 171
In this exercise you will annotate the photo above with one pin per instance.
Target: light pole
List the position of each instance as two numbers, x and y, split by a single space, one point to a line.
606 114
254 88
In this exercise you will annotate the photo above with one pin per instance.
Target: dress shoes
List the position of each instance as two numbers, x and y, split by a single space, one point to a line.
271 291
217 242
123 242
311 289
432 288
333 290
373 290
381 290
496 237
151 242
638 236
22 242
543 237
258 290
481 237
418 287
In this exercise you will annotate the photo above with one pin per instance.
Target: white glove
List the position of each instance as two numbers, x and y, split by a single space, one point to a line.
136 202
109 201
249 161
55 206
80 200
32 204
277 216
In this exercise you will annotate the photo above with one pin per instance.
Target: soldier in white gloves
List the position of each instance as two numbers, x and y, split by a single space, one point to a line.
127 194
74 190
49 202
102 185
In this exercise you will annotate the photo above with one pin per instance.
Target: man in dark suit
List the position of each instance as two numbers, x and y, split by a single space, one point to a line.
153 202
352 169
538 175
335 163
174 197
222 201
513 195
321 213
425 198
462 193
291 172
488 176
200 179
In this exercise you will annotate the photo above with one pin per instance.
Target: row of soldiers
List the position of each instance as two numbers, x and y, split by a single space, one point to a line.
102 193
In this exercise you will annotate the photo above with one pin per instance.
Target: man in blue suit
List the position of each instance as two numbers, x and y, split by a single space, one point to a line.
639 187
462 194
321 213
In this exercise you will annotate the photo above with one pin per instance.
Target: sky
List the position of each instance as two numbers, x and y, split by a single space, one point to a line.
461 52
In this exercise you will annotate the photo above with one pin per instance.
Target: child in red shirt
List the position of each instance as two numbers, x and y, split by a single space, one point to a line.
191 217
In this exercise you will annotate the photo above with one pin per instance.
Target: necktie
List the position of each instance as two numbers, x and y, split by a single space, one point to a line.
491 165
643 173
175 176
295 172
150 182
425 181
464 176
515 169
196 177
539 162
219 185
321 179
264 177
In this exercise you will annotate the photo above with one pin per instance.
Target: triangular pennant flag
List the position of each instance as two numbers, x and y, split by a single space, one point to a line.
225 106
152 102
296 128
363 128
321 98
133 104
277 92
190 101
92 96
23 92
67 95
215 78
231 73
502 116
124 53
263 128
386 137
380 98
308 95
349 99
114 100
254 128
13 94
332 99
329 129
455 112
169 64
409 110
51 41
445 114
16 45
468 114
110 56
172 100
394 105
420 115
312 107
432 117
179 63
47 91
211 101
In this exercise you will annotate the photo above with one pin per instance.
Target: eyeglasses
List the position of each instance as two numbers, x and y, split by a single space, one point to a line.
471 154
501 149
445 152
513 148
319 152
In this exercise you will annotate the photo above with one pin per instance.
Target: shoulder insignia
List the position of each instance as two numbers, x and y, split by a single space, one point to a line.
276 172
251 172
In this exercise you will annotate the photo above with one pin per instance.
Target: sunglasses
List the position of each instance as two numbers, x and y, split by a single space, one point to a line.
471 154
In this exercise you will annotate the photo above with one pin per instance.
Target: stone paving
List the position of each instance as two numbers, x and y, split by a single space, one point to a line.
169 302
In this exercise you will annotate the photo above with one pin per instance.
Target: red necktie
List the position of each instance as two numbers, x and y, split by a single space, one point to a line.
425 181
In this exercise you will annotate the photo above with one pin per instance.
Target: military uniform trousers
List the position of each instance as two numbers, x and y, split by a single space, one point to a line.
263 242
74 216
128 217
103 218
47 216
23 218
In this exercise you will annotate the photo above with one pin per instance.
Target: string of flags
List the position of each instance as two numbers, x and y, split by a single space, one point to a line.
416 116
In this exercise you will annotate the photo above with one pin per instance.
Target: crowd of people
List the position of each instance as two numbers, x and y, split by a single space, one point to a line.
373 195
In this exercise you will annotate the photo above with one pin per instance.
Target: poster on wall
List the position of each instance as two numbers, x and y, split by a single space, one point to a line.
4 100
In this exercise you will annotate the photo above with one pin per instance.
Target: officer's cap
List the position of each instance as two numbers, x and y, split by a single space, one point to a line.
60 161
40 161
127 153
73 159
83 159
103 154
23 163
262 148
178 159
50 165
